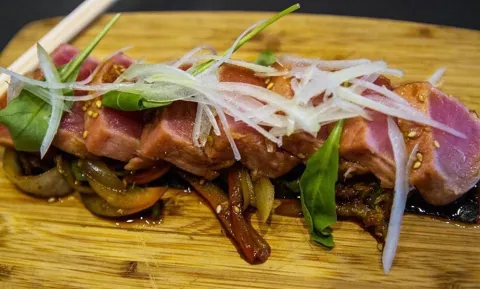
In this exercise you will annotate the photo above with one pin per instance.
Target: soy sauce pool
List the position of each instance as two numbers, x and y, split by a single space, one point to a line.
464 210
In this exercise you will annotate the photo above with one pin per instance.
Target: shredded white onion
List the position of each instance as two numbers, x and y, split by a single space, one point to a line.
199 122
14 88
228 133
393 72
400 194
403 112
51 76
211 118
381 89
322 64
437 76
241 63
187 57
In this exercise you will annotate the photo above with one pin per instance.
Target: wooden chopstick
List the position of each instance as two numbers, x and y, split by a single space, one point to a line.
63 32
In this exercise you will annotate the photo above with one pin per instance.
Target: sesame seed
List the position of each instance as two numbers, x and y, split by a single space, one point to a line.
416 165
267 81
98 103
76 183
300 155
412 134
218 209
236 209
270 85
436 144
421 97
202 181
419 157
84 108
51 200
85 134
90 113
95 115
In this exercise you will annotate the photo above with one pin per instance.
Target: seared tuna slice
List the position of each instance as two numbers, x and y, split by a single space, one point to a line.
447 166
258 154
108 132
366 143
169 137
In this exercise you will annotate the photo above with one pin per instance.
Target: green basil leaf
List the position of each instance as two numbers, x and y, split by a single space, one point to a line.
317 187
26 118
266 58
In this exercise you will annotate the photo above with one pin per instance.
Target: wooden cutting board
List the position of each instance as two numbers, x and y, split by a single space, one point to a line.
61 245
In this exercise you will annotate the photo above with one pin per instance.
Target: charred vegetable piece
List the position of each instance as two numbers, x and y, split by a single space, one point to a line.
131 199
247 189
148 176
49 184
65 169
253 246
100 172
289 208
100 207
264 195
256 249
78 173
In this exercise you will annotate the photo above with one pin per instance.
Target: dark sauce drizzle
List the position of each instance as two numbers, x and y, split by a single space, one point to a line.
465 210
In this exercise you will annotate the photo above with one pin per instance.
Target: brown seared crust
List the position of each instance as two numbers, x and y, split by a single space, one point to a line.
233 73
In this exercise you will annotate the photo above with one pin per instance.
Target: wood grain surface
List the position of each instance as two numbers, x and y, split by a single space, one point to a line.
61 245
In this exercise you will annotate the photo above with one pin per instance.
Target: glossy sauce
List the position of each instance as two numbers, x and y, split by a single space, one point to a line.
464 210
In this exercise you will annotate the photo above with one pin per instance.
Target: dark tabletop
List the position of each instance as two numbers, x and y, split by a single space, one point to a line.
14 14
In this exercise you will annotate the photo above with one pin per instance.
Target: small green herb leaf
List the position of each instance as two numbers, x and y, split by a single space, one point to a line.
317 186
128 101
26 118
266 58
204 66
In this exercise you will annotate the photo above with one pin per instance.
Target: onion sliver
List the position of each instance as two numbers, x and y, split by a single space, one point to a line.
51 76
382 90
402 173
187 57
436 76
406 113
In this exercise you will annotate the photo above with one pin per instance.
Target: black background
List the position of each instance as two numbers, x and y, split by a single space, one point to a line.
14 14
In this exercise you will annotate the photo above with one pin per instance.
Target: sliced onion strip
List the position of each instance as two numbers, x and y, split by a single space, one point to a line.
51 76
406 113
437 76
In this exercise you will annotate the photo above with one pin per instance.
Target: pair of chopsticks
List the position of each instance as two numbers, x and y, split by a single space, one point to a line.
67 29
